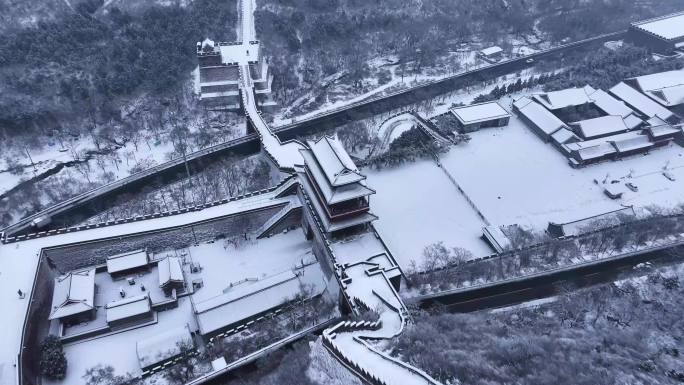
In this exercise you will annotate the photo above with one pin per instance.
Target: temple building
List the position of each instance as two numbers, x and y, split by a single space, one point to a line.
337 189
337 217
73 298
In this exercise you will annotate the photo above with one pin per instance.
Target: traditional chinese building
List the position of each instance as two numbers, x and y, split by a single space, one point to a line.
663 34
337 189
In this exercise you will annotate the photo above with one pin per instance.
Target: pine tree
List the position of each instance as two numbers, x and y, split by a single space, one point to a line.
53 362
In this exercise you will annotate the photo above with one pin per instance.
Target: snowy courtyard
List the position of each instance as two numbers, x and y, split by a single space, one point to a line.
223 264
119 350
513 177
418 205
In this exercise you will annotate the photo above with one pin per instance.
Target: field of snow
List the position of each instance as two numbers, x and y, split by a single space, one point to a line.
514 177
418 205
223 264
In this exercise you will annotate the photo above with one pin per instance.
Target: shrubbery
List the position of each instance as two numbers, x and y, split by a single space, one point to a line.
607 67
409 146
610 334
53 362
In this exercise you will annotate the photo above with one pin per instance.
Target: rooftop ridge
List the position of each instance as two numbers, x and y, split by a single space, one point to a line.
657 18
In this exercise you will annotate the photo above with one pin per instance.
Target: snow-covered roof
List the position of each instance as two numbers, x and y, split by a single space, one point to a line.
255 297
126 261
170 270
666 88
481 112
632 121
659 80
496 238
489 51
670 96
640 102
333 194
128 307
658 128
609 104
340 224
601 126
565 98
540 116
594 151
668 27
163 346
74 293
582 225
334 160
631 141
564 136
664 130
597 148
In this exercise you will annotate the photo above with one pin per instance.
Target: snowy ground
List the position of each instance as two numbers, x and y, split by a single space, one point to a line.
514 177
119 350
418 205
223 264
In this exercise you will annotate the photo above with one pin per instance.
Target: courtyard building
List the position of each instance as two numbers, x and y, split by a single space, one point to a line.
129 311
127 263
250 299
540 120
218 80
567 101
609 105
663 35
171 274
73 298
600 127
662 132
645 106
666 88
219 73
483 115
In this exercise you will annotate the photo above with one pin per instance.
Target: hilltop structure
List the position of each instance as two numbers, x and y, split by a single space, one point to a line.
218 80
338 190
